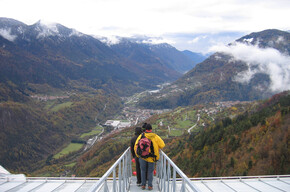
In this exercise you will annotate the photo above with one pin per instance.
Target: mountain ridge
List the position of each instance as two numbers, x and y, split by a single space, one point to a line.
69 56
245 71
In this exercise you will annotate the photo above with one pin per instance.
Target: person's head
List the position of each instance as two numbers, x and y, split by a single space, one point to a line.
148 127
144 127
138 130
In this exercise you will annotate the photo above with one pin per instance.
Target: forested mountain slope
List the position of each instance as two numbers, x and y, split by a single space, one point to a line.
253 67
31 132
253 142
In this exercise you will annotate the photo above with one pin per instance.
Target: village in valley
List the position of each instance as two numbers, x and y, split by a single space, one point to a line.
190 119
131 116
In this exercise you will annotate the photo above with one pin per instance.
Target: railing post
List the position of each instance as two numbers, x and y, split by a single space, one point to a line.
164 173
119 175
106 189
114 180
160 171
129 169
174 180
127 162
126 174
183 186
168 176
123 176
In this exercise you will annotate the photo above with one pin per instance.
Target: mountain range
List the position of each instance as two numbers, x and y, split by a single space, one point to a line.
61 58
140 47
253 67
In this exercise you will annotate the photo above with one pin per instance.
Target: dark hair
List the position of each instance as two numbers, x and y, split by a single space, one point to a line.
144 127
138 130
148 126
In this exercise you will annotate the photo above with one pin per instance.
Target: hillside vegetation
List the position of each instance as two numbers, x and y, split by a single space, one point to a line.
31 132
243 139
253 143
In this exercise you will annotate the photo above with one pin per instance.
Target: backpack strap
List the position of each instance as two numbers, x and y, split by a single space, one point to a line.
142 136
152 154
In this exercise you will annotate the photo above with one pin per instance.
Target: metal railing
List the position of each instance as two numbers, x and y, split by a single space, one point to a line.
124 166
167 173
167 178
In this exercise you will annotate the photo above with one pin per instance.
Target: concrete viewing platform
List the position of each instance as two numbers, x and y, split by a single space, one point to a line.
134 187
119 178
20 183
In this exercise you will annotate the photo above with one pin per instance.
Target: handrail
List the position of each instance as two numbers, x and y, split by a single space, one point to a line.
240 177
124 175
165 183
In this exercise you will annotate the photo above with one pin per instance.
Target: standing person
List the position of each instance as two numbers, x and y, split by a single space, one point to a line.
138 131
143 131
148 160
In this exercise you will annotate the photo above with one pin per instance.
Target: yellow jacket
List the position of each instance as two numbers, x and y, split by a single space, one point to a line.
158 143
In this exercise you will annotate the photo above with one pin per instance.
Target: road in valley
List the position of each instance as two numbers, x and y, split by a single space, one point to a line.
198 118
93 140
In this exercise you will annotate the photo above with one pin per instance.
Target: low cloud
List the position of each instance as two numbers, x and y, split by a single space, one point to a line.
76 33
158 41
6 33
47 29
269 61
110 40
196 39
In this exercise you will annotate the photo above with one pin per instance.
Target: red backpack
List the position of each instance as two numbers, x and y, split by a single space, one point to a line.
143 146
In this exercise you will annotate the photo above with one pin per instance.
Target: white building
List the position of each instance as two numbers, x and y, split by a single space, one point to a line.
117 124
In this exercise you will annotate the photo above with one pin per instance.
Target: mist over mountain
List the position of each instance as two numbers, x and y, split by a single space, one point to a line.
255 66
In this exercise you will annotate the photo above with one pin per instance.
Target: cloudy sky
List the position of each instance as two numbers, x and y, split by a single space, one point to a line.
195 25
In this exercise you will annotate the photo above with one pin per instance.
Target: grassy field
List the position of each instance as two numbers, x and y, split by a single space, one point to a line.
71 164
97 130
184 124
70 148
176 132
61 106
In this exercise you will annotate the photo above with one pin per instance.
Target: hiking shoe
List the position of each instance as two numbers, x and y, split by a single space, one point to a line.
150 188
143 187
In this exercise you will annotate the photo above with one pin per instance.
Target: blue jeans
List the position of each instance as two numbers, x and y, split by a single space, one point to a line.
143 165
